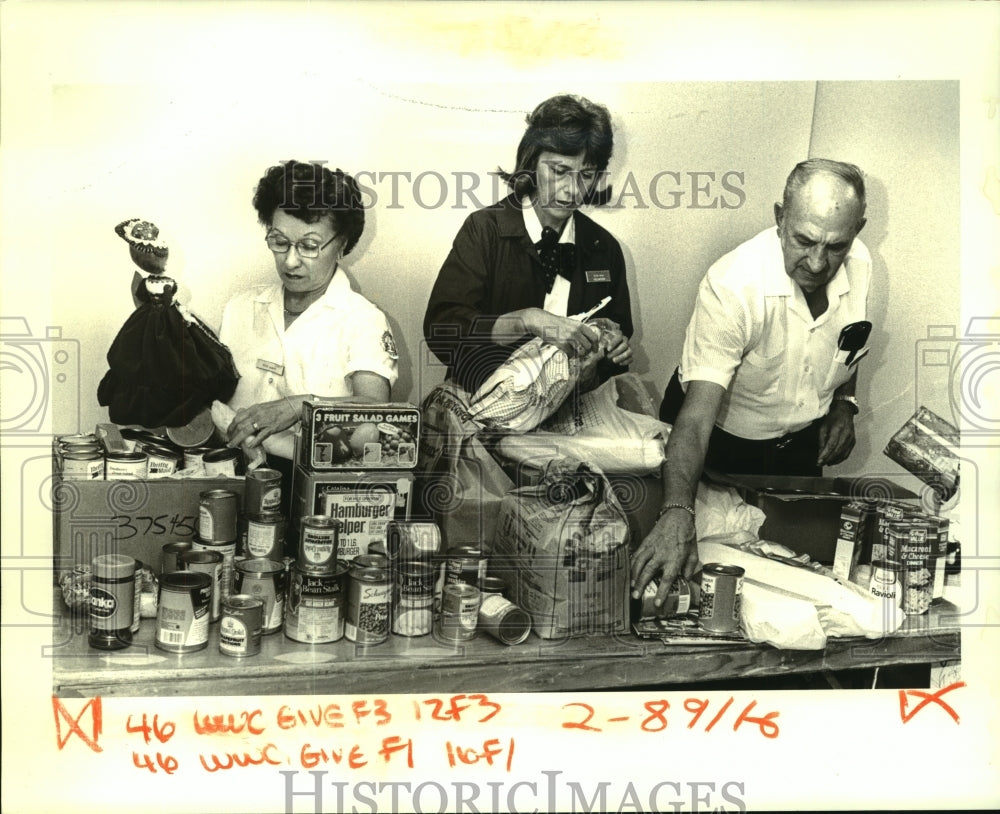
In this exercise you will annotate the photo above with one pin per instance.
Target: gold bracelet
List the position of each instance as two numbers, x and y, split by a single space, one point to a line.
668 506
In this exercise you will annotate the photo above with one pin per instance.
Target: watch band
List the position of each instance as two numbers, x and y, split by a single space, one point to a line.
855 406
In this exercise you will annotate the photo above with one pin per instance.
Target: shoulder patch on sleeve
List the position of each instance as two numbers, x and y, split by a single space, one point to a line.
389 345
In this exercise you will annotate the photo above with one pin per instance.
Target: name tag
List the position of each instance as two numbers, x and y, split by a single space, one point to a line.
271 367
598 276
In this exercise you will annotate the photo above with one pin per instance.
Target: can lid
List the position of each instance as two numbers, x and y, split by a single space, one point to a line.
201 556
492 585
260 565
185 580
113 565
264 474
242 601
127 456
225 454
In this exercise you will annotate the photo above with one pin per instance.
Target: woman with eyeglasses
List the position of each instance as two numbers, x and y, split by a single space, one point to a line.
522 267
309 333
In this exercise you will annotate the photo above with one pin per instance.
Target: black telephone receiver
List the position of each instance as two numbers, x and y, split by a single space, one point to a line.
853 338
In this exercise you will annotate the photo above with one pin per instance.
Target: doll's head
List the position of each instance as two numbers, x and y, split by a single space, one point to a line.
148 252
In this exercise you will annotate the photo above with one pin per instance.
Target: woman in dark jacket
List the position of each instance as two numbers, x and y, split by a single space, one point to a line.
521 267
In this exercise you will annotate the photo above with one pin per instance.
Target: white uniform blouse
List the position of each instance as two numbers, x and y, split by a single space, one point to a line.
751 332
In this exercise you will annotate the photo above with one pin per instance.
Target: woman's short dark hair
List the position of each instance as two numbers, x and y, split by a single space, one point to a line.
567 125
311 192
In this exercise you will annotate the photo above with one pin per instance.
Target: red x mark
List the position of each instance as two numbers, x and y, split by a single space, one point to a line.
61 713
927 698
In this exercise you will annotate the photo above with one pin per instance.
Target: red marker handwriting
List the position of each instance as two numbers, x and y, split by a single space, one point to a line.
927 699
490 750
221 724
231 760
75 727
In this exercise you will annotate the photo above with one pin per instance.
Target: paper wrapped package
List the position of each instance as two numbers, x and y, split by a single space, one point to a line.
561 547
795 608
611 427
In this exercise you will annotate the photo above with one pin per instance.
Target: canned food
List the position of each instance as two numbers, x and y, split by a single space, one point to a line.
193 458
316 605
126 466
406 540
221 463
217 510
377 547
112 602
207 562
465 564
504 620
368 600
263 491
82 466
459 612
84 449
265 536
318 542
137 598
721 595
413 599
240 629
884 582
162 461
228 552
370 561
169 554
266 580
183 611
492 586
78 439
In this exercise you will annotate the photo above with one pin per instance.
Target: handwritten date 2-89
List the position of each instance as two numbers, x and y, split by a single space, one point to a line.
700 712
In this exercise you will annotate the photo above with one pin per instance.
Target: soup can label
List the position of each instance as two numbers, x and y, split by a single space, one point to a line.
459 612
263 491
221 463
217 512
368 603
316 605
162 462
318 544
265 536
413 599
83 466
240 628
207 562
182 613
721 595
112 601
126 466
504 620
266 580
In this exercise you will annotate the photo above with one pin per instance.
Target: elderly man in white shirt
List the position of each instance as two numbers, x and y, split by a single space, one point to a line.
767 376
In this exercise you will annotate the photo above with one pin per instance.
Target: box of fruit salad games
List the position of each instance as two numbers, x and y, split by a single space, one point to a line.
342 435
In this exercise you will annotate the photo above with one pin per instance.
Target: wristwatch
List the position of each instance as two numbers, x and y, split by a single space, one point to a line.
853 402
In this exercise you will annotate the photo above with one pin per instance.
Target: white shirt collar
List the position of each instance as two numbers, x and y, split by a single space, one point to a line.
339 286
534 225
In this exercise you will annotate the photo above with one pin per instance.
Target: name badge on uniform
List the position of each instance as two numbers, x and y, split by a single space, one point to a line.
598 275
271 367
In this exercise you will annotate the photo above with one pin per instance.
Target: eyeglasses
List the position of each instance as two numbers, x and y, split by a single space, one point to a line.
306 249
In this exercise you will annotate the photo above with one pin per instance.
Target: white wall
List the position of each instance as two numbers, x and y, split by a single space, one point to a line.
189 156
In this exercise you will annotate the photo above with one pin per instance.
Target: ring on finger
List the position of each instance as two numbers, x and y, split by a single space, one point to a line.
256 427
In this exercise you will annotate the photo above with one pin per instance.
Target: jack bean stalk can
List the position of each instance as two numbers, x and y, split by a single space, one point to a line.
316 605
183 611
112 587
266 580
368 604
413 599
240 629
721 595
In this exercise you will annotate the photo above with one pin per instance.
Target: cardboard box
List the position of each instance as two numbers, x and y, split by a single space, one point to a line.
803 513
130 517
340 436
364 502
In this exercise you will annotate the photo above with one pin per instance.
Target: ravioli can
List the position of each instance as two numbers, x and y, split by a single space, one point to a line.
316 605
884 582
265 536
207 562
126 466
459 612
368 603
263 492
217 511
266 580
169 555
318 542
183 611
721 597
112 603
240 628
413 599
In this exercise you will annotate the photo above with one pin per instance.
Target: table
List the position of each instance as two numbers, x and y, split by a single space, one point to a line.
425 665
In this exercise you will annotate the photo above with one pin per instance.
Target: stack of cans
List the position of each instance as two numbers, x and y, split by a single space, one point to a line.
317 584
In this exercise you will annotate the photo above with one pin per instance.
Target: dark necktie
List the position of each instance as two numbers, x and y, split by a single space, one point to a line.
557 258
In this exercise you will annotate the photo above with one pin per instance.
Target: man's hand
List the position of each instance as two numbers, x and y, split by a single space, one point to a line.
836 435
669 549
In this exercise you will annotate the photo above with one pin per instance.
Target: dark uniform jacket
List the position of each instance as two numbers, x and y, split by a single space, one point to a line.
493 268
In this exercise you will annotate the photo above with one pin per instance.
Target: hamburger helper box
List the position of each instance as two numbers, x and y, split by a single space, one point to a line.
338 435
363 501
